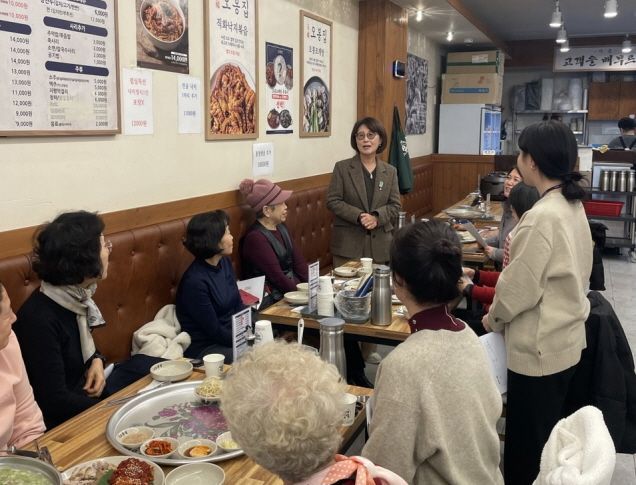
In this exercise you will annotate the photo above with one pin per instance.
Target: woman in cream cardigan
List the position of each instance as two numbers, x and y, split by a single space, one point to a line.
364 197
540 298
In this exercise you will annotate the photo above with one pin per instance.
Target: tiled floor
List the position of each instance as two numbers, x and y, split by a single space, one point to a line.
620 283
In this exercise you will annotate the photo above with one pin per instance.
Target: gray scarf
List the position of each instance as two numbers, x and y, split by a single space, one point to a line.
79 300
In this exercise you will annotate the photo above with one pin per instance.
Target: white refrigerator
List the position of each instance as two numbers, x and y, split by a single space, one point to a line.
471 129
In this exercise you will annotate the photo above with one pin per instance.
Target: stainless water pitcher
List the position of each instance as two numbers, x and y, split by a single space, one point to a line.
332 344
381 297
621 185
605 180
613 179
631 181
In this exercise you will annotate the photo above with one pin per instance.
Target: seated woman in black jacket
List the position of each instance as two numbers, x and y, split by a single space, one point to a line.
207 296
54 325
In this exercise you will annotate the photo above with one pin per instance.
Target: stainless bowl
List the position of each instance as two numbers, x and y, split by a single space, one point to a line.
353 307
32 465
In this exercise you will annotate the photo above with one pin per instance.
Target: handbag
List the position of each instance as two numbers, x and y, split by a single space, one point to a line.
399 155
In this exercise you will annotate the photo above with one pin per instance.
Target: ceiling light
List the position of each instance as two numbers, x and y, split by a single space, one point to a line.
557 18
562 35
611 9
419 15
449 36
565 47
627 46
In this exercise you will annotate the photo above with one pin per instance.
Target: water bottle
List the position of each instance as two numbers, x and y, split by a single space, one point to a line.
605 180
631 182
381 297
332 344
621 185
612 180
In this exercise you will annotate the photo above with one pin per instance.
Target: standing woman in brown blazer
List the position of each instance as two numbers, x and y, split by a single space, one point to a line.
364 197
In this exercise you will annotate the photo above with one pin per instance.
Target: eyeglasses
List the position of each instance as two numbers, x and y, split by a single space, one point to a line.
108 245
369 135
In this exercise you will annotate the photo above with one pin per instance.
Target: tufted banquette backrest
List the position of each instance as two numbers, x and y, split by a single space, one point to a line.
147 262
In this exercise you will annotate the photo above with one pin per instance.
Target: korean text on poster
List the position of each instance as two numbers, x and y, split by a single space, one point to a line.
605 58
279 80
189 104
137 101
241 330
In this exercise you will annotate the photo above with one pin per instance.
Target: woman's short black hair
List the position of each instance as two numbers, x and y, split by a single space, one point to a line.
204 233
426 257
373 125
627 124
522 197
68 249
553 147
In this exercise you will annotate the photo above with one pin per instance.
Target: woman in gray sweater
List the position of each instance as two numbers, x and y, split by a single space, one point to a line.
435 403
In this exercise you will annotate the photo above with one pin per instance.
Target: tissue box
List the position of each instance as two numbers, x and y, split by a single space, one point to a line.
472 88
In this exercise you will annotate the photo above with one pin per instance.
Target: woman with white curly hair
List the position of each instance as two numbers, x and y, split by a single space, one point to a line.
285 407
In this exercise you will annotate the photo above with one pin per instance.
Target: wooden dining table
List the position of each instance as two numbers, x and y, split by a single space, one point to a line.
83 438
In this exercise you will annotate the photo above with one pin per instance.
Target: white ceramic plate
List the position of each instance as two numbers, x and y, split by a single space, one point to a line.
297 297
171 370
116 460
226 436
196 474
345 271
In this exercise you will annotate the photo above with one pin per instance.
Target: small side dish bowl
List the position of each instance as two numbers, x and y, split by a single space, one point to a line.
171 370
345 271
297 297
197 448
304 287
210 390
133 437
207 473
162 447
226 442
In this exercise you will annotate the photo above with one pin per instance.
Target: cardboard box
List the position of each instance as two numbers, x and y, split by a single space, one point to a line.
472 88
475 62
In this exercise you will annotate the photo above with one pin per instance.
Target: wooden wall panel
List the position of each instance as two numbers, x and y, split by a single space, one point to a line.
455 176
382 38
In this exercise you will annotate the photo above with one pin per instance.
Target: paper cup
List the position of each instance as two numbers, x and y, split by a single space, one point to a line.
367 264
350 409
263 332
213 364
325 285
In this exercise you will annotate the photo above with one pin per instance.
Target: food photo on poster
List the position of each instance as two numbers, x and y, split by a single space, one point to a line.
279 80
162 35
231 69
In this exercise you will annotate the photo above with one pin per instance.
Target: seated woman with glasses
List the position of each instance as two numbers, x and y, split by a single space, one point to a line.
435 405
20 417
364 198
496 240
208 296
54 325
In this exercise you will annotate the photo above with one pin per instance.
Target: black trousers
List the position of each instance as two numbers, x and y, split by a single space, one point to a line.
535 405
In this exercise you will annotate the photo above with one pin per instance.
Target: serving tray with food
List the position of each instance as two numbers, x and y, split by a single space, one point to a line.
181 423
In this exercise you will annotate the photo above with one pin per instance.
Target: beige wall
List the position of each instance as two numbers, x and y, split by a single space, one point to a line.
44 176
425 48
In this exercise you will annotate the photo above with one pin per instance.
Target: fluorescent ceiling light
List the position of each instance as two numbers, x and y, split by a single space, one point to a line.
418 16
557 18
627 46
562 35
611 9
449 36
565 47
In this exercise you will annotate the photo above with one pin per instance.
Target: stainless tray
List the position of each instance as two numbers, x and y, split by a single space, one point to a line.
169 411
465 212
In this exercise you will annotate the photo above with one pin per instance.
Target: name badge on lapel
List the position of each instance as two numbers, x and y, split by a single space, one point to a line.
381 184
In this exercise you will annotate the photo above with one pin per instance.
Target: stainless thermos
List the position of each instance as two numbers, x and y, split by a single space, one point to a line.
631 181
381 297
621 185
332 344
605 180
612 179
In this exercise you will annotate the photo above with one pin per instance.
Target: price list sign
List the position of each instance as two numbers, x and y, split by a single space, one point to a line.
58 67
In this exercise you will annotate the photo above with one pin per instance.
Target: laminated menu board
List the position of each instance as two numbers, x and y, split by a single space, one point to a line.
58 67
315 75
231 72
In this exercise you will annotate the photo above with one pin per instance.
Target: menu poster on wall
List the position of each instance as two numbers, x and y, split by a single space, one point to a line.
189 104
138 113
231 71
58 68
162 35
279 78
315 75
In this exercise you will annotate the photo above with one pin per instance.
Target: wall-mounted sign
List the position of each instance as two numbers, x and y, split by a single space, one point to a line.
58 68
598 58
315 75
231 73
279 81
162 35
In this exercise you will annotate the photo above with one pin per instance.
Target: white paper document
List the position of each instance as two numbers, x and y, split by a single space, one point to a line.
189 105
495 348
254 286
241 328
137 102
475 233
